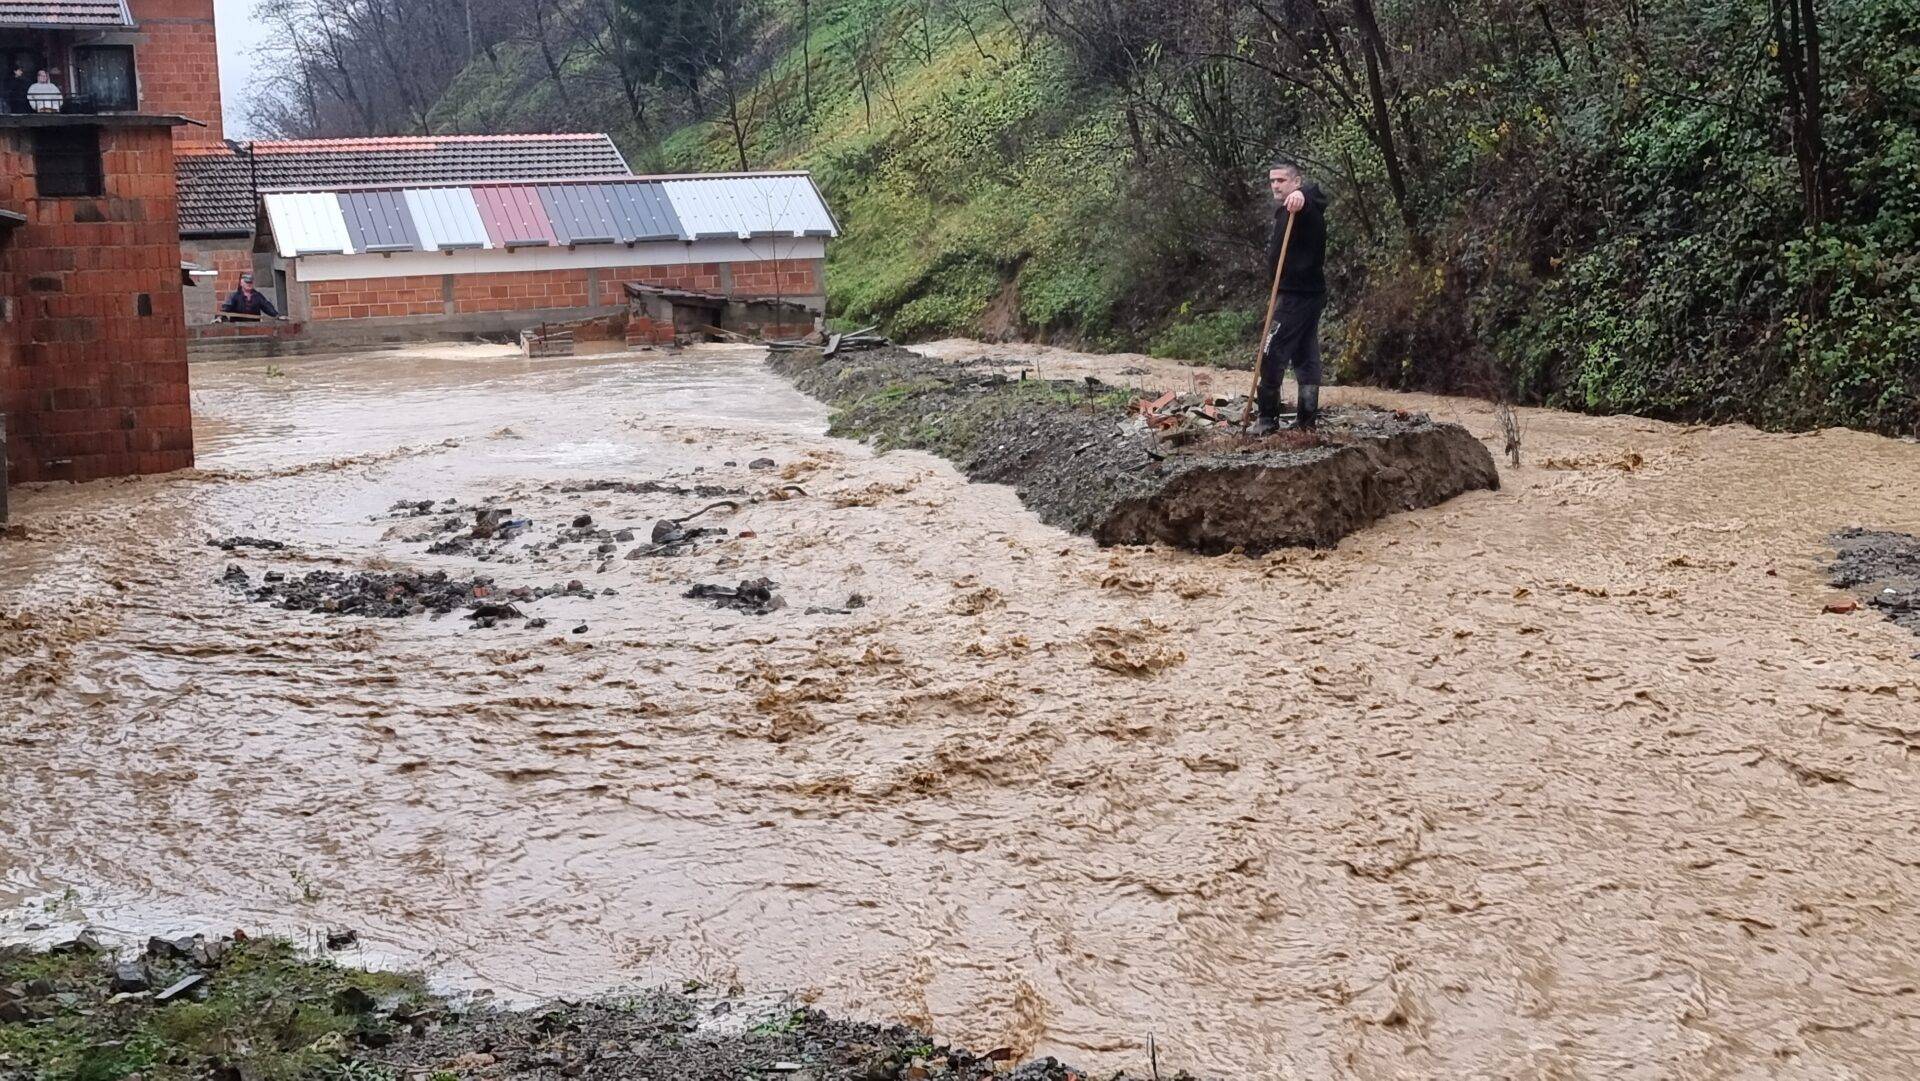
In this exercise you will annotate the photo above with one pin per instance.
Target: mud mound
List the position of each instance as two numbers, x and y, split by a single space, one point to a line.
1883 568
1082 462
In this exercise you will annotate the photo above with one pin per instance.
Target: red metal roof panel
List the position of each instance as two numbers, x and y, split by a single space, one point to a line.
514 215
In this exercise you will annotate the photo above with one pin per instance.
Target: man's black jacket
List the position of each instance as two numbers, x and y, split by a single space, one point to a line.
1307 251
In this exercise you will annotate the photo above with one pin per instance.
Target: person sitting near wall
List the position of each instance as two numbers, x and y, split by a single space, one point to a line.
43 96
247 300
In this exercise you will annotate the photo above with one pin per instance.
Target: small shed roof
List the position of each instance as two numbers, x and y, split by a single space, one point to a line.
509 215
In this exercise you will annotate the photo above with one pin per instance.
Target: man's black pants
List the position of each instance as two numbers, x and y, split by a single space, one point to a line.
1294 343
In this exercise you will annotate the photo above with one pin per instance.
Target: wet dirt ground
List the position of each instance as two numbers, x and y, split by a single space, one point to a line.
1573 779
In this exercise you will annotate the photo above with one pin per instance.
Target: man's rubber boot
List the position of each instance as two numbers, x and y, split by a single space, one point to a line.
1309 415
1267 402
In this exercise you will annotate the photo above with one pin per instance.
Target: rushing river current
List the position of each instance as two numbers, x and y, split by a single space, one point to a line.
1576 779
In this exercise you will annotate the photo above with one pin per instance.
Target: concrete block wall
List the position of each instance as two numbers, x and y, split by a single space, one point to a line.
178 63
230 259
98 383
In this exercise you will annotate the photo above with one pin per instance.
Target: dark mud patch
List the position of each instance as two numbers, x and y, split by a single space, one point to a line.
188 1008
1079 459
1883 569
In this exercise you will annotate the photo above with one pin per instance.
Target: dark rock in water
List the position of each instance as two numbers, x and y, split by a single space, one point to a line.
623 536
414 507
666 531
856 600
1078 457
762 464
535 624
130 977
494 611
583 521
1883 569
169 949
84 942
228 544
341 938
181 986
235 576
754 596
581 629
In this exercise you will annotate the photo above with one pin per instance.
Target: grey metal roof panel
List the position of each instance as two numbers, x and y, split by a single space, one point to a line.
378 221
446 218
643 212
748 206
63 13
308 223
579 213
514 215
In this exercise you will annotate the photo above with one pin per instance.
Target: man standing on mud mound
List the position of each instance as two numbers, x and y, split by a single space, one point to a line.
1295 340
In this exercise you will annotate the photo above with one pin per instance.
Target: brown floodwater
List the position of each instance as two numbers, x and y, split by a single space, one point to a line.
1576 779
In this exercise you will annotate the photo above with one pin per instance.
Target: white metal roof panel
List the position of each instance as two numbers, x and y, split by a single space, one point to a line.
308 223
750 206
446 218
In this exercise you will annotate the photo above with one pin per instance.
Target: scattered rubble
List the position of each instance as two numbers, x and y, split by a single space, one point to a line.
228 544
1883 569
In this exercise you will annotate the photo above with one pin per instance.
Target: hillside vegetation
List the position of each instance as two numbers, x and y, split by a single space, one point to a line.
1707 210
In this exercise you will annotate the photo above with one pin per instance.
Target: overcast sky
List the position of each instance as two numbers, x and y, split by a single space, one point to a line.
239 34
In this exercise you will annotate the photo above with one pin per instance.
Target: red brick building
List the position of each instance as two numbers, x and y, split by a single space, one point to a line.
93 372
93 350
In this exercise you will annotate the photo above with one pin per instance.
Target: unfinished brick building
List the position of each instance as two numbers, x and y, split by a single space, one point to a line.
93 347
93 371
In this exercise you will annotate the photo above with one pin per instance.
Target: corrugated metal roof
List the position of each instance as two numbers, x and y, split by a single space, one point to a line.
749 206
643 212
445 218
64 13
379 221
308 223
514 215
579 213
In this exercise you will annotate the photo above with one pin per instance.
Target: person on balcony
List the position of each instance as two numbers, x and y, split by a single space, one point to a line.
43 96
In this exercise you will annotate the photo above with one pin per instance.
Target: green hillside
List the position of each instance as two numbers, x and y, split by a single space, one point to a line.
1601 213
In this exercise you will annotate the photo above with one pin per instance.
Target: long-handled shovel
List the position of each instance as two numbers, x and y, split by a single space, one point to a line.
1273 298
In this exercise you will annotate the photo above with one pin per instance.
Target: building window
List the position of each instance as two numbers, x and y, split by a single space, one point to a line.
103 77
66 162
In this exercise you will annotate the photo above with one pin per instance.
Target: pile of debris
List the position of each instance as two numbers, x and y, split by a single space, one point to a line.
832 344
755 596
394 595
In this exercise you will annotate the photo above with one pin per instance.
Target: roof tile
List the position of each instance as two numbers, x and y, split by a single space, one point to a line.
216 195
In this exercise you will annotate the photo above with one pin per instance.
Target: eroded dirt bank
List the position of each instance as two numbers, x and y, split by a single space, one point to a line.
1574 778
1076 456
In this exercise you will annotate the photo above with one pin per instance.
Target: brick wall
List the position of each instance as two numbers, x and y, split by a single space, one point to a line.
99 385
529 290
179 65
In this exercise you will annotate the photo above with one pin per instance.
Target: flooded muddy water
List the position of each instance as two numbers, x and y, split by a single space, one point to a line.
1573 779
